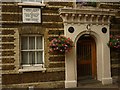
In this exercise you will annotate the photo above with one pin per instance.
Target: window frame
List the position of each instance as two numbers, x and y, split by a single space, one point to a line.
32 67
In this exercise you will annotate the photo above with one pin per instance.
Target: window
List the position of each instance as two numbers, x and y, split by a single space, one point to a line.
32 50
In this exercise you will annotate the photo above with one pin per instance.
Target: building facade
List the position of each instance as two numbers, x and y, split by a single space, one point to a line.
27 29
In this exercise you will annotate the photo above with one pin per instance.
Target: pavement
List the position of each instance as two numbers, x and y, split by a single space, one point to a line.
95 84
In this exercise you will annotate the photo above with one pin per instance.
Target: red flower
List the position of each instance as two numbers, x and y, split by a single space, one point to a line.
114 41
61 44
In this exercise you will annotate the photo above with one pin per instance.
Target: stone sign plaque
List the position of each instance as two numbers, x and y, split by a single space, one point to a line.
31 15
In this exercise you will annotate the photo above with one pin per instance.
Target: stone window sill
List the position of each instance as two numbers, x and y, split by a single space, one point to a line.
32 68
36 4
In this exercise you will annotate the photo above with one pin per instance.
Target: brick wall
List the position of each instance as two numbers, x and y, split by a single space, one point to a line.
115 59
12 28
51 26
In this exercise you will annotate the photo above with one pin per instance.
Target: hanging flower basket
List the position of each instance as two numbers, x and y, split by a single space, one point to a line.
114 42
61 44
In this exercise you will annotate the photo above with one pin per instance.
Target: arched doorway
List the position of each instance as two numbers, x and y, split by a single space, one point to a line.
86 58
100 68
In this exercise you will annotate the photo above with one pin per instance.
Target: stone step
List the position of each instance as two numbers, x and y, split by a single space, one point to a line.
88 81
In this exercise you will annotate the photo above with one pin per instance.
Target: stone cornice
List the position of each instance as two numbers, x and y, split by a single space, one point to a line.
86 15
95 11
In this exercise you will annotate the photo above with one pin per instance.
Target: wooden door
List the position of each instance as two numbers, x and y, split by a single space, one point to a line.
86 57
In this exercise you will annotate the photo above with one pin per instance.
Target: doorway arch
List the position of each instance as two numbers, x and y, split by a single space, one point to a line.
86 57
78 20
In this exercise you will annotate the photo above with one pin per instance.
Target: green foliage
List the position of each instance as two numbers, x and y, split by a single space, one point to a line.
114 42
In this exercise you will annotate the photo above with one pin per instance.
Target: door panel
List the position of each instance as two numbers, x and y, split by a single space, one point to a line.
86 57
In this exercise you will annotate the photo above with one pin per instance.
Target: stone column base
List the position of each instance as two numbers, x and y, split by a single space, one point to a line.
70 84
106 81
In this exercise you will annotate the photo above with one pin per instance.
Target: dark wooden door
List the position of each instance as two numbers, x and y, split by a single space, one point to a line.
86 57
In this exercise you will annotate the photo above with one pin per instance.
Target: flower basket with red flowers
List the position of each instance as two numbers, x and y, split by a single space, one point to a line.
114 42
61 44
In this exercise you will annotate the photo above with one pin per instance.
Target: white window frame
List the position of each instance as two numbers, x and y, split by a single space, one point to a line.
35 67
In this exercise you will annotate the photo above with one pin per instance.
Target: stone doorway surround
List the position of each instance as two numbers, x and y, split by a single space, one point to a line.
87 21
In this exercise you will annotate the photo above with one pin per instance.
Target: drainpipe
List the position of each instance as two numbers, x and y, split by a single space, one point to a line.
0 52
